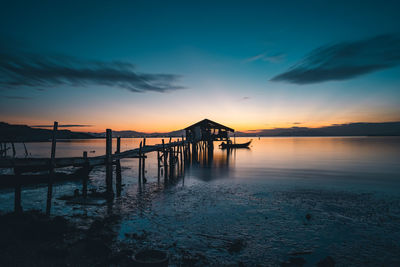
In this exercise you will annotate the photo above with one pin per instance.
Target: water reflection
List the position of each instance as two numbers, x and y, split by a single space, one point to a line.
351 162
260 195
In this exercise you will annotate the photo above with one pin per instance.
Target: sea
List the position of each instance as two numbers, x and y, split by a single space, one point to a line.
281 201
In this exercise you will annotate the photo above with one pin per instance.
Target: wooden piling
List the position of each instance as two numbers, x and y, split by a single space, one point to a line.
158 165
118 169
177 158
180 154
189 153
13 149
26 150
140 162
51 169
144 163
165 158
171 162
108 162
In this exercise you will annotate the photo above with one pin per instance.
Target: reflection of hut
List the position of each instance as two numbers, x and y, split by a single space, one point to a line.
207 131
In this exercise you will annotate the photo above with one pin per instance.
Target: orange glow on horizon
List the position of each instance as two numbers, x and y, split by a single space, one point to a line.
168 126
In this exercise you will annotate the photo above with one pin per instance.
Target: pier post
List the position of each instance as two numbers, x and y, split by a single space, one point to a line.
109 167
171 164
158 165
26 150
140 162
85 175
51 169
165 157
118 175
189 153
144 163
176 157
180 155
184 149
13 149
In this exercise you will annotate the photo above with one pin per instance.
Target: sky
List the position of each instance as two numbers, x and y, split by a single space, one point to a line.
157 66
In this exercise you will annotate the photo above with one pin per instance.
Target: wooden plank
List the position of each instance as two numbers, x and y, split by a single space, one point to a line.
80 161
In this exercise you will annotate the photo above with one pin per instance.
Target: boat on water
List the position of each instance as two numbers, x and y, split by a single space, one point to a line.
229 145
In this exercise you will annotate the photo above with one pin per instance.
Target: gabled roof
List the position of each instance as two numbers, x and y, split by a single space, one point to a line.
210 124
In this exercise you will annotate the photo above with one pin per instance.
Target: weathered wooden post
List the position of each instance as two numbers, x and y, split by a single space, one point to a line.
85 174
176 158
51 169
184 149
140 162
26 150
13 149
118 169
109 168
158 165
165 157
180 154
171 162
189 153
144 162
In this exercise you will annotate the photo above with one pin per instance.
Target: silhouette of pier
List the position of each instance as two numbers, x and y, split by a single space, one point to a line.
171 157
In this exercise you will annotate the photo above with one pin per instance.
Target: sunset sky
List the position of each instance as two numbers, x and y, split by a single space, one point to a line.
162 65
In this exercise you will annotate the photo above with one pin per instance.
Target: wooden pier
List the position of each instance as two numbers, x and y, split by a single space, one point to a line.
171 158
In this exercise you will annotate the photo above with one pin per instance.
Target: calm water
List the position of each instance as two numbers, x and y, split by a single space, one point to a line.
349 185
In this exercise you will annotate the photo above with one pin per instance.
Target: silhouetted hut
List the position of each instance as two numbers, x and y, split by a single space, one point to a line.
207 131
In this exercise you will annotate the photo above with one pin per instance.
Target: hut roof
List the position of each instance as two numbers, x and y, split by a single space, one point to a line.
206 123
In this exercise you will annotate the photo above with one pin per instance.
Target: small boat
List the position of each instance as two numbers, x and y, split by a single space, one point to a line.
234 145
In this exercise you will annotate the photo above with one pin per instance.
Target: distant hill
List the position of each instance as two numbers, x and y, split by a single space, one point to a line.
350 129
24 133
135 134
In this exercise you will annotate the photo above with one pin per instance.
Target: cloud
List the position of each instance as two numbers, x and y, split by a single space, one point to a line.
272 58
37 71
16 97
62 126
346 60
244 98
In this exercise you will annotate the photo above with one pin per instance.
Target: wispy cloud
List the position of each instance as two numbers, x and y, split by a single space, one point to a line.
62 126
345 60
16 97
272 58
38 71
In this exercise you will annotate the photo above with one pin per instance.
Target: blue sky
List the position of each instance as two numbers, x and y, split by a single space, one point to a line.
212 59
